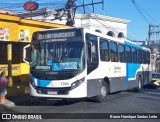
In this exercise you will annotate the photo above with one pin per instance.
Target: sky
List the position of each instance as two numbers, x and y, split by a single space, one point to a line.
141 13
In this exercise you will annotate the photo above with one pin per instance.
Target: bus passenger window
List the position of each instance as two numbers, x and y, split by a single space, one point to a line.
128 54
113 52
134 55
92 52
88 52
148 57
144 57
140 56
121 50
104 50
105 55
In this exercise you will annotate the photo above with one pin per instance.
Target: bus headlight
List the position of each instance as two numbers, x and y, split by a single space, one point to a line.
77 83
33 84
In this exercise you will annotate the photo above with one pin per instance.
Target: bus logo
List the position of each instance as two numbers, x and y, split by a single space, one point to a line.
6 116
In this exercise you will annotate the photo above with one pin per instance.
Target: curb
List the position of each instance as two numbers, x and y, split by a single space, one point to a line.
8 104
13 101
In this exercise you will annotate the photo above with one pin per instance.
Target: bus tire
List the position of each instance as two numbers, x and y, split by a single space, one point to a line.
104 93
64 100
139 87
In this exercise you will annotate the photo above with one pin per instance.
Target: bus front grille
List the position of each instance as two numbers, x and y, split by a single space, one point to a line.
53 91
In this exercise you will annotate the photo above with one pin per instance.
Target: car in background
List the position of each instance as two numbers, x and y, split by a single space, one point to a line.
156 78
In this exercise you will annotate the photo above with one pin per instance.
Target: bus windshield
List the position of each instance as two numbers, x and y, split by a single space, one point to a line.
58 55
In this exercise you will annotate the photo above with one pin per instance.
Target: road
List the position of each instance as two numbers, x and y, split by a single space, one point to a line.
147 101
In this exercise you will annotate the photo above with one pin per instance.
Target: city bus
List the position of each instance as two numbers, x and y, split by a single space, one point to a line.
80 63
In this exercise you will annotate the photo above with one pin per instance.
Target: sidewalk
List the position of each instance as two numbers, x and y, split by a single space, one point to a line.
17 95
17 100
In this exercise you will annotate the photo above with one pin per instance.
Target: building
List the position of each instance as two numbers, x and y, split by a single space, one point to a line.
3 11
112 26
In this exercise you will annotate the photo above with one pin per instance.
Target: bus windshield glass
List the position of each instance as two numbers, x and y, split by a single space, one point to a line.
58 54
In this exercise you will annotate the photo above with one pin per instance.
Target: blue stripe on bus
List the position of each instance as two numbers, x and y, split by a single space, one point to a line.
133 45
40 83
131 70
43 83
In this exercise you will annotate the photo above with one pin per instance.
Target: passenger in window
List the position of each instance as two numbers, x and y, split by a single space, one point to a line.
112 56
94 57
105 53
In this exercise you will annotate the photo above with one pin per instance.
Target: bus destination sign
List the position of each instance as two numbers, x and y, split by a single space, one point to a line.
60 35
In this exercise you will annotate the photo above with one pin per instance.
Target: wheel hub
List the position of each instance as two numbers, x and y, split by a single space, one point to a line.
103 91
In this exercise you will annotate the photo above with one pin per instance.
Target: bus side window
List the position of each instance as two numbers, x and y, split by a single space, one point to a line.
121 50
128 54
144 57
104 50
89 53
112 55
92 52
140 56
134 55
148 57
113 52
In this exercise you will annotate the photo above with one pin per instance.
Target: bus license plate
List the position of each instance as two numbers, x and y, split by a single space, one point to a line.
52 92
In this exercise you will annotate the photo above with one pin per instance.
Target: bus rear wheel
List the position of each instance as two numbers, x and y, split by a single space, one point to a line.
103 93
139 88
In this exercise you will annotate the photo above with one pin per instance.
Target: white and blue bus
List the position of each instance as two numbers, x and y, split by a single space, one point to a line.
79 63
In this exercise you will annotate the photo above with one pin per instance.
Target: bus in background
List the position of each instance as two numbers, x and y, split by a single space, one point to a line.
79 63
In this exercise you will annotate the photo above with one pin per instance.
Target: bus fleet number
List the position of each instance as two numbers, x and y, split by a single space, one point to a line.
64 83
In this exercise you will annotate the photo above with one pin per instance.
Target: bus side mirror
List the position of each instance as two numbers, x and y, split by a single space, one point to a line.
27 54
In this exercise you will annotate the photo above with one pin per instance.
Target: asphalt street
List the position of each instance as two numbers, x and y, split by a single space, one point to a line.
147 101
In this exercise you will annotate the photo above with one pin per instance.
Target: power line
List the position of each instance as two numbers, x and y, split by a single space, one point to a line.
71 9
111 28
140 9
133 38
19 7
143 16
148 14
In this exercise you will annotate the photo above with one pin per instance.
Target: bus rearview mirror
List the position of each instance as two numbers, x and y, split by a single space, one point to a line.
27 50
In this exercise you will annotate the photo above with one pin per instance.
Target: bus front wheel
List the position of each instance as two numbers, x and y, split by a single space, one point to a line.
103 93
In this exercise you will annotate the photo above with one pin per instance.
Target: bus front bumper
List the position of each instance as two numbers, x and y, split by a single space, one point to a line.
65 92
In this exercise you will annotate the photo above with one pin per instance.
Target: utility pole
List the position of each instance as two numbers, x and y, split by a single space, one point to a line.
154 45
149 35
154 34
71 10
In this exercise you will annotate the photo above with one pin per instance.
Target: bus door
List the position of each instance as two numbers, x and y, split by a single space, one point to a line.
92 64
92 52
92 57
